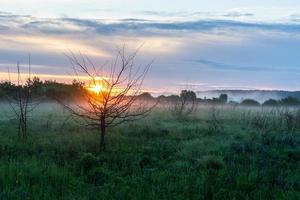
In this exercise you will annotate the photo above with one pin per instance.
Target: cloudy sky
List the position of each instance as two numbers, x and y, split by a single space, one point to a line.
216 44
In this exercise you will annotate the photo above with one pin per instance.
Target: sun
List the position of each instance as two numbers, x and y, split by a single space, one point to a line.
96 86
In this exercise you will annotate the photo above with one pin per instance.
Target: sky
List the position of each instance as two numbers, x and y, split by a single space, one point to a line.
202 45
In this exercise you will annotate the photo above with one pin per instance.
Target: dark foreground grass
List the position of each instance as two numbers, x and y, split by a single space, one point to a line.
157 158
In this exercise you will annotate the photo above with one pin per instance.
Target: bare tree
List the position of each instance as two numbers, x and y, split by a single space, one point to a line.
214 122
185 105
113 96
21 103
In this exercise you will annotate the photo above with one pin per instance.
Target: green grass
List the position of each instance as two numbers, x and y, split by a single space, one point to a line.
255 154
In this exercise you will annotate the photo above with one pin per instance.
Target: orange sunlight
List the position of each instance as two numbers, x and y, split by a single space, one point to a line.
97 86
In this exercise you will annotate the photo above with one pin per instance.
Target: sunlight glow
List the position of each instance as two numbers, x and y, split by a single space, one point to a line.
97 86
49 44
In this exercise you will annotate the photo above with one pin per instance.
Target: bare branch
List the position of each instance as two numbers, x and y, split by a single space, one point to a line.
117 102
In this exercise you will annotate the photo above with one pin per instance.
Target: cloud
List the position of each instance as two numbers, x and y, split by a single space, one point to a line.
2 28
238 14
51 26
295 18
225 47
184 14
44 76
226 66
48 44
143 26
174 14
135 26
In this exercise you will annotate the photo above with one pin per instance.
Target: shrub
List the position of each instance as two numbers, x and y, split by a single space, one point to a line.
292 154
212 162
214 124
270 102
98 175
88 161
250 102
290 101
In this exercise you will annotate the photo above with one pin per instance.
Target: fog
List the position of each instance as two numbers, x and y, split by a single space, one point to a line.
239 95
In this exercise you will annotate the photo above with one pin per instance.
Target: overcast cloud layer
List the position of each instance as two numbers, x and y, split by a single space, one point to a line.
230 49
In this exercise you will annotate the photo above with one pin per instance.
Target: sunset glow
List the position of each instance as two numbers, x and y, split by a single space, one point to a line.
199 42
139 99
97 86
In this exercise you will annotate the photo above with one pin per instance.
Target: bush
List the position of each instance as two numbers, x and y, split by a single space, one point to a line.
88 161
292 154
250 102
99 175
270 102
290 101
212 162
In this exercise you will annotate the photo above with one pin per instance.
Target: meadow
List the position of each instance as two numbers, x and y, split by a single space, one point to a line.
222 152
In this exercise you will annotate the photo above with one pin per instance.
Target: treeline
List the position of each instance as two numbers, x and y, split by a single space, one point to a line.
50 90
223 99
288 101
191 96
47 90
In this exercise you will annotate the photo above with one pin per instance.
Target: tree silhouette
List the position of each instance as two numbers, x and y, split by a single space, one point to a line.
290 101
270 102
21 102
223 98
184 105
250 102
117 101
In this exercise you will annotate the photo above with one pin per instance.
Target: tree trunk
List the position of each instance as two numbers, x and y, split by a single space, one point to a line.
103 131
19 128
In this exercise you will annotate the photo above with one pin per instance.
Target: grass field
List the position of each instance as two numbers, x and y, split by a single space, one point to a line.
225 153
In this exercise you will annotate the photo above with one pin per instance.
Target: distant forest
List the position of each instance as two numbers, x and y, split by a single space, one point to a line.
258 95
52 90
